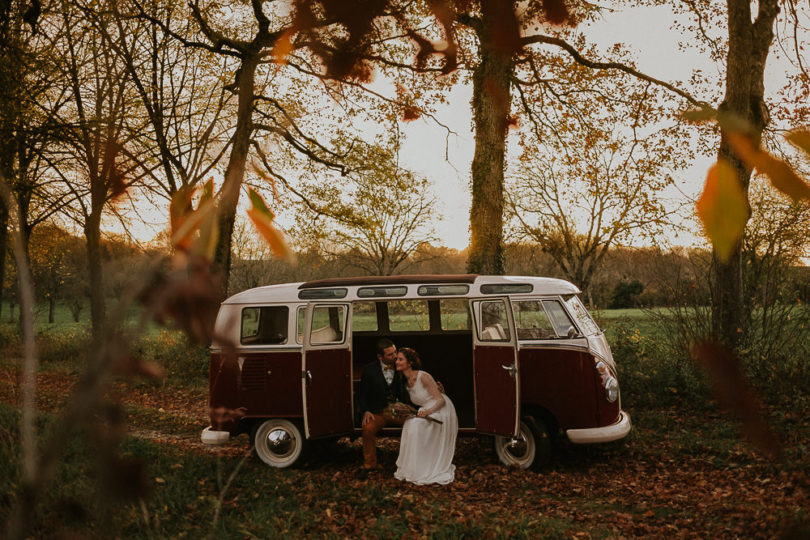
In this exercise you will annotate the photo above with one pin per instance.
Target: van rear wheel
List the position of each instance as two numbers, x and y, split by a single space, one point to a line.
279 442
531 449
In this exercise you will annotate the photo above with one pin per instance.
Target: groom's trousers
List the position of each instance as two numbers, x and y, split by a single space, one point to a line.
370 431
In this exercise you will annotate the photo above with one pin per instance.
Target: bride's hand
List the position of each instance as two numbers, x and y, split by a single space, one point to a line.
422 413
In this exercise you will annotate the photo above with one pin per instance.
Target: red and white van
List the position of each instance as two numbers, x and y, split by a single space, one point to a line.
520 357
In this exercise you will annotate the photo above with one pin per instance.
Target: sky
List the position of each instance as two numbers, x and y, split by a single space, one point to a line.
447 161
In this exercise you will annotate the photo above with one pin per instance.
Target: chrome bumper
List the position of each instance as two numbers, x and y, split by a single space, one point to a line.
210 436
614 432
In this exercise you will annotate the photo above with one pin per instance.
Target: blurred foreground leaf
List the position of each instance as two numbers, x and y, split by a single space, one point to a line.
722 208
728 383
262 217
780 173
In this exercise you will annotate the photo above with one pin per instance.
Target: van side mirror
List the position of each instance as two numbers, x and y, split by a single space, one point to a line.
572 333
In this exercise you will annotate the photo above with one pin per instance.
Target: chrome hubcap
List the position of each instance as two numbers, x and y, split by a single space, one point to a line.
517 447
280 442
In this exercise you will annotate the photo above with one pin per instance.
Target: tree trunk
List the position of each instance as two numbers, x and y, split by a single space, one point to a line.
4 238
92 234
748 48
235 171
491 103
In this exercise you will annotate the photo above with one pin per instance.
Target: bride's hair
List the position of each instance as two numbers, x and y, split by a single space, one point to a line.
412 357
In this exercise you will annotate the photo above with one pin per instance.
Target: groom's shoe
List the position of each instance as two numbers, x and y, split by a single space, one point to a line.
363 473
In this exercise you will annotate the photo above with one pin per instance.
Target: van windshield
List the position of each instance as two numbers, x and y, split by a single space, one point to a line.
586 323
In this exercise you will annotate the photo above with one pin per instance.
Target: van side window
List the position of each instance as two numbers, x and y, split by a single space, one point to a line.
328 323
364 317
266 325
408 315
454 314
302 313
559 318
494 321
531 320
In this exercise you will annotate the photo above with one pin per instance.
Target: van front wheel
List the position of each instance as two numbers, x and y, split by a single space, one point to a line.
531 449
279 442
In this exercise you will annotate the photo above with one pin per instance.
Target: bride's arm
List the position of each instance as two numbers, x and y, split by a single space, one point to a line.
431 387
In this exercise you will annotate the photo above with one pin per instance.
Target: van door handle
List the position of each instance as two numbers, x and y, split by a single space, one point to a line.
512 370
309 376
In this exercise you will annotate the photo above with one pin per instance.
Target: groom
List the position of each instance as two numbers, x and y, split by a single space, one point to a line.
380 385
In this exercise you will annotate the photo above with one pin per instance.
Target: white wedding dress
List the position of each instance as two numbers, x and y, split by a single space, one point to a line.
426 449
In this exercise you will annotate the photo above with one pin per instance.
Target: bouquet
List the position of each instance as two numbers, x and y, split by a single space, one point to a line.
399 412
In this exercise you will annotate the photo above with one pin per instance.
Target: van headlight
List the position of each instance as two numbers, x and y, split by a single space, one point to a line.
609 381
612 390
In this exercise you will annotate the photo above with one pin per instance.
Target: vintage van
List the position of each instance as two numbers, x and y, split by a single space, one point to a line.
520 357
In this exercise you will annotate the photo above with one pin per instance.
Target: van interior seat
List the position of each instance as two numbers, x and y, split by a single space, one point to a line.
494 332
326 334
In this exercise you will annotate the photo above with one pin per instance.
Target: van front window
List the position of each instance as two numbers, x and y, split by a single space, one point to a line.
586 323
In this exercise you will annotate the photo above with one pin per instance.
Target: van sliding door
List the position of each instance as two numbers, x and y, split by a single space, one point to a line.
497 378
327 370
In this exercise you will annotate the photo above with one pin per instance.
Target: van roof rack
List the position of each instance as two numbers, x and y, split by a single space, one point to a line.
387 280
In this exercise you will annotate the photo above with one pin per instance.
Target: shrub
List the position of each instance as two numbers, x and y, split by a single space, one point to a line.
650 372
625 294
184 362
64 346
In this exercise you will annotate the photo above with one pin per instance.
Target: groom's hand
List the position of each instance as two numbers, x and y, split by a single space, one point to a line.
367 417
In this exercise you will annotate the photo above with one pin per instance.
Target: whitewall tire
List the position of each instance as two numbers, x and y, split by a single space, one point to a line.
531 449
279 442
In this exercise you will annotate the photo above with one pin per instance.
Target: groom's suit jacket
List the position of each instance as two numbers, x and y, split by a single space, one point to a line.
374 393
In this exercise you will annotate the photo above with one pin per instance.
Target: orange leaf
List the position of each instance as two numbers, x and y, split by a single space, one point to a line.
283 47
179 210
262 218
723 209
411 112
733 394
206 243
780 173
800 139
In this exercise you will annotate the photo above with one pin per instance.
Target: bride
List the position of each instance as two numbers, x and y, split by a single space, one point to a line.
426 449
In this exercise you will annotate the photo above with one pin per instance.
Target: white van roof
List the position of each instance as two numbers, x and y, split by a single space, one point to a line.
289 292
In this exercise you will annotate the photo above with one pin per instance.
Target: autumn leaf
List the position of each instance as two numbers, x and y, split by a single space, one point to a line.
209 227
262 218
782 176
283 47
728 383
179 209
410 113
800 139
556 11
722 208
